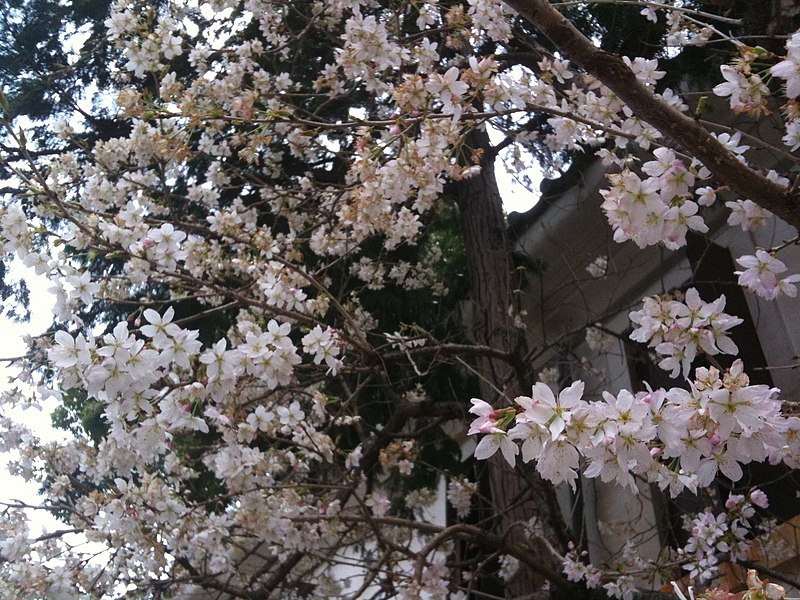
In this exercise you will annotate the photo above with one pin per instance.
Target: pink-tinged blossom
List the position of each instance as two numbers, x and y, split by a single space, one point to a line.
598 267
614 458
692 446
166 245
290 415
379 502
646 70
678 330
324 344
556 68
747 214
171 46
83 288
711 535
573 568
786 286
493 423
676 182
534 438
678 221
719 461
742 411
69 351
558 462
494 441
487 418
649 13
706 196
270 419
118 343
731 142
747 92
665 159
759 498
789 69
220 362
459 493
182 348
544 409
627 415
761 275
160 328
792 137
449 89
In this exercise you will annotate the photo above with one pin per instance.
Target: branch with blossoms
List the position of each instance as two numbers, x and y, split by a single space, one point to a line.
713 538
624 82
648 436
673 438
297 218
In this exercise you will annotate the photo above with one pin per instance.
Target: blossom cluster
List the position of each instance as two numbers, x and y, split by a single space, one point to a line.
658 208
677 439
680 330
714 536
761 274
728 533
747 91
243 226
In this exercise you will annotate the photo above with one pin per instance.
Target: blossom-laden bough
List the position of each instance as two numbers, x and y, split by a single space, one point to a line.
265 414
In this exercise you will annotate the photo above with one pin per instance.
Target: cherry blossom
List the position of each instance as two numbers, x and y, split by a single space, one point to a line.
679 330
497 440
789 69
268 199
761 275
552 413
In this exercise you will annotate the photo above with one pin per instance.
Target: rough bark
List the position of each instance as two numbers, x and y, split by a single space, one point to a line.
518 494
612 71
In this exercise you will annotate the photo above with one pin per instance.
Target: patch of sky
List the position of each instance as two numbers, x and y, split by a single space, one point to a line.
18 394
518 175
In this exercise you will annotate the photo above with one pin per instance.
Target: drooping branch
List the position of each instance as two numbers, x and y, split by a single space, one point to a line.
612 71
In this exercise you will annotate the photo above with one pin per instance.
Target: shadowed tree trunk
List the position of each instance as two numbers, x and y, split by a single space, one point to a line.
518 494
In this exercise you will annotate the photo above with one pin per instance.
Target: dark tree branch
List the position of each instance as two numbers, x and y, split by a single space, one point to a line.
612 71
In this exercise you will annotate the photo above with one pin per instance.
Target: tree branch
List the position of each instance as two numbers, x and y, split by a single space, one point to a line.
612 71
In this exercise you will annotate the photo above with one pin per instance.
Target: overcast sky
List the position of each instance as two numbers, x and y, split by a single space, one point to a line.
12 345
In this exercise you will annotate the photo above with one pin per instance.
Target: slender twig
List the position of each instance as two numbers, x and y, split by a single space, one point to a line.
688 11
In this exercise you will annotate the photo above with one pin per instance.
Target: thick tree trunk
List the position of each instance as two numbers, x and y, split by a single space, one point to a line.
518 494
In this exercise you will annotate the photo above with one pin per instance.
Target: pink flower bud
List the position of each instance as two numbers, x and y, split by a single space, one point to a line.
487 426
715 440
148 243
759 498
